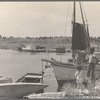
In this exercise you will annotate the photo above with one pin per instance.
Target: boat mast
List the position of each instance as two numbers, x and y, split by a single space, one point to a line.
73 21
87 33
74 16
82 13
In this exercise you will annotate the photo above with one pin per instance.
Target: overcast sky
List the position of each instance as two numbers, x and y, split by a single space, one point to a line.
21 19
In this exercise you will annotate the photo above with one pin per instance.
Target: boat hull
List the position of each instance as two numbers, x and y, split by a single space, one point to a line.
65 72
18 90
26 50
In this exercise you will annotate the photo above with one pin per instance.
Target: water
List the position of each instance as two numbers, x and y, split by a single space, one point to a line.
15 64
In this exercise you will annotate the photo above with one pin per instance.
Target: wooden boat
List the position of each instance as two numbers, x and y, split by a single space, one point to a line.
29 83
60 50
18 90
65 72
30 48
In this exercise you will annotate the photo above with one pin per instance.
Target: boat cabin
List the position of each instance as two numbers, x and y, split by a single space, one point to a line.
31 78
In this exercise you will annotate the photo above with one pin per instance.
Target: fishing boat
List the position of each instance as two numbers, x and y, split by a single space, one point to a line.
60 50
65 72
31 48
57 50
28 84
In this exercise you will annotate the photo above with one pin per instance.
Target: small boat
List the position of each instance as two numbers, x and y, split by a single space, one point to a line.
31 48
29 83
57 50
60 50
18 90
51 50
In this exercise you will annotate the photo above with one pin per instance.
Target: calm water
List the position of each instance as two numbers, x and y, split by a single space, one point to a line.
15 64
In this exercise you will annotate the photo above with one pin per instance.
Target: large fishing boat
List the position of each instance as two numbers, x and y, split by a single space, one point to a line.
65 72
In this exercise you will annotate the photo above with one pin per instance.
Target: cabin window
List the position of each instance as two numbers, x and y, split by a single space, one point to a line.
32 80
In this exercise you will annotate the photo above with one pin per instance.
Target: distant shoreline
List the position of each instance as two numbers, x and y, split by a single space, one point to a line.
48 42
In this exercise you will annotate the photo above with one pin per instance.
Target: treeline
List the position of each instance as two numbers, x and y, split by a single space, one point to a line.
46 37
49 37
48 42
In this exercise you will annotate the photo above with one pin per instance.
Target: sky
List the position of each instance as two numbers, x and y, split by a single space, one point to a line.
35 19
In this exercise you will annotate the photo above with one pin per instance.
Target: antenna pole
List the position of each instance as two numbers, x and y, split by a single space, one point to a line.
74 13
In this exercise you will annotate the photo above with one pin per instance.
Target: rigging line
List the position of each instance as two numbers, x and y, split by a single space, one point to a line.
74 14
87 26
66 18
84 12
52 71
47 54
86 22
74 17
84 25
65 24
73 21
60 58
52 6
46 13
